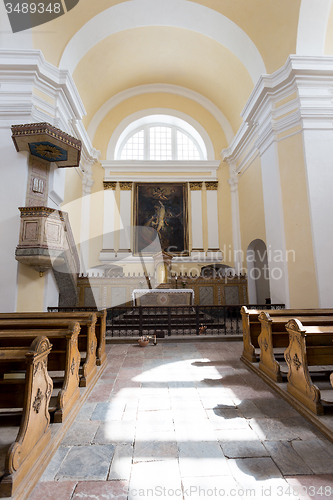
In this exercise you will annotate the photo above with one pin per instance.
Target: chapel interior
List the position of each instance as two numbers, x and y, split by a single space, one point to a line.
173 155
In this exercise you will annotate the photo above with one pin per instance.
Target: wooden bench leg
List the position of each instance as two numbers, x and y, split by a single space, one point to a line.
34 432
70 391
248 348
299 381
268 363
101 340
89 367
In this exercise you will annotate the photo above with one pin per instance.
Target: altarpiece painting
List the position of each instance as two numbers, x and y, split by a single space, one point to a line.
160 217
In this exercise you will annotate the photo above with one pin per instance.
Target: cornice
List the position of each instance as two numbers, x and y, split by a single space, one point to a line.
23 70
118 170
311 78
30 66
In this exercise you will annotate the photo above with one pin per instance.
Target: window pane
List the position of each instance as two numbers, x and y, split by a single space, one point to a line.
160 143
186 149
134 147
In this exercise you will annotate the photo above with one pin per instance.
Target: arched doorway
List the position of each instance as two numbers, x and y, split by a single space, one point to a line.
257 272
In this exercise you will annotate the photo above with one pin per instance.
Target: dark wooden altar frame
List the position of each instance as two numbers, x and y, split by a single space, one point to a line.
139 215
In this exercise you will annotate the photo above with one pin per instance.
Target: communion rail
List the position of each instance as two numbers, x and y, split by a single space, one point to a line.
132 321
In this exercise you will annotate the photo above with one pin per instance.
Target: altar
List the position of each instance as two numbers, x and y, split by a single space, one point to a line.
163 297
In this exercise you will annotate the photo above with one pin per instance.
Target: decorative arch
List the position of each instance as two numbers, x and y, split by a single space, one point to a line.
176 13
312 27
161 88
137 118
257 262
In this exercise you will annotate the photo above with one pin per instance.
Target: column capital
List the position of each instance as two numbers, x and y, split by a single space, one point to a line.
195 186
87 183
211 186
126 186
233 183
109 185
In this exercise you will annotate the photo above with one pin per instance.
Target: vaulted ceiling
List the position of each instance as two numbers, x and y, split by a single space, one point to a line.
216 49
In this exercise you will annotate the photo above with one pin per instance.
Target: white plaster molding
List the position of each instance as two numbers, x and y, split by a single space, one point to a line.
212 221
22 71
311 78
196 219
170 116
160 88
29 67
312 27
235 218
176 13
197 258
160 170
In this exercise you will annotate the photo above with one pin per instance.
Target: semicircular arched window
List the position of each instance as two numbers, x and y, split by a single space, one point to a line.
160 142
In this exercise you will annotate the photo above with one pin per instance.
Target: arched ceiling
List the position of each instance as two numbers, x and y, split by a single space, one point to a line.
216 48
163 55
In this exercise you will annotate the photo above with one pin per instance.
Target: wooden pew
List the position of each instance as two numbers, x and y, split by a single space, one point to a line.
100 326
87 338
34 432
64 357
252 326
308 346
274 335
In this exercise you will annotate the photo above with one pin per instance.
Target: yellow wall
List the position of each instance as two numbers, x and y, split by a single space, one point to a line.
301 269
72 203
251 206
102 138
30 294
159 100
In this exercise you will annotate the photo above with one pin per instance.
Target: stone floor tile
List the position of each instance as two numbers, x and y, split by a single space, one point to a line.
121 464
101 490
86 412
279 429
151 403
155 446
115 432
315 455
285 457
53 490
128 373
56 461
121 384
186 404
80 433
155 479
241 443
108 378
230 418
201 459
86 463
130 411
211 402
199 431
109 411
189 415
315 487
101 393
276 408
250 471
159 420
249 409
198 487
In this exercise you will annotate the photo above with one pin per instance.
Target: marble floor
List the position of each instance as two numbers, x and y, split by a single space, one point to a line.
186 421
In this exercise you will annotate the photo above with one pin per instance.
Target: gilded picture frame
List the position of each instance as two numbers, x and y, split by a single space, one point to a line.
161 218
